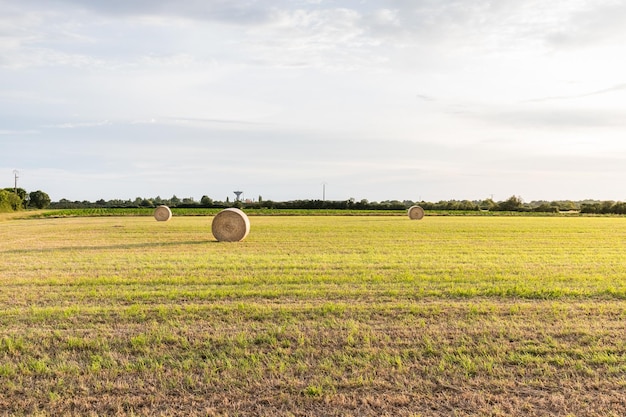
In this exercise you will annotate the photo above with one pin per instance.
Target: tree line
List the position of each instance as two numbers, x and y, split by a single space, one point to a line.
15 199
513 203
19 199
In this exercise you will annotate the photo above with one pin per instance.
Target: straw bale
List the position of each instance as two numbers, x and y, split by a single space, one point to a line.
230 225
416 213
162 213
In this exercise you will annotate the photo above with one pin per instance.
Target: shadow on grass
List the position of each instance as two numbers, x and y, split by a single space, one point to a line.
129 246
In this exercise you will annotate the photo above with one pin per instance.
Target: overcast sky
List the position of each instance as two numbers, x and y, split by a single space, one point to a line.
377 99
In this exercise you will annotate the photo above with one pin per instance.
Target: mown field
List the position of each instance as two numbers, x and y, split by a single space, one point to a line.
314 315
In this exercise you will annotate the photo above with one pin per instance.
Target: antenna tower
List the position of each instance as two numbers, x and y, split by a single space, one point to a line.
16 174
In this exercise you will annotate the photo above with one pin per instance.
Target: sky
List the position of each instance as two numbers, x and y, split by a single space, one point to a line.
309 99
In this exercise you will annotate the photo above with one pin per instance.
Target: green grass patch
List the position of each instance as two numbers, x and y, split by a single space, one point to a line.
199 211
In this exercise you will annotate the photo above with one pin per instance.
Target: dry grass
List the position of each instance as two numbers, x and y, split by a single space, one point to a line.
324 316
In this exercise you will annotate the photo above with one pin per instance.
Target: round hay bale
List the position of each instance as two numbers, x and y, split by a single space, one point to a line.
162 213
416 213
230 225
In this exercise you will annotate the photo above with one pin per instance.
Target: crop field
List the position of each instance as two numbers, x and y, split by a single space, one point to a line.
314 316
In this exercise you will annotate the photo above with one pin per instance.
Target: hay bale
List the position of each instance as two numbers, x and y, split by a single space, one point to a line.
416 213
162 213
230 225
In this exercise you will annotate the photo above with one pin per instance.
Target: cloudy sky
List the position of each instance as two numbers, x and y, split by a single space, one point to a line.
376 99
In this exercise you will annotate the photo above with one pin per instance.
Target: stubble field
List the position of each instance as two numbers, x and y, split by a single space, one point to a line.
314 315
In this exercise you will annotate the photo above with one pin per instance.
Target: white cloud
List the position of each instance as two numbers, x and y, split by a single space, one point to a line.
595 22
18 132
453 99
615 88
79 125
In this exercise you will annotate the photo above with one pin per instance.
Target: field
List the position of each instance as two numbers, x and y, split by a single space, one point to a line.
314 315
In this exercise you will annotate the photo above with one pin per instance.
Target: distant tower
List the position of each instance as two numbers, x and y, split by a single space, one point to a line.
238 194
16 173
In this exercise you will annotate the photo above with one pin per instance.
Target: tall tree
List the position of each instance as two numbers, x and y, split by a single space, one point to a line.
512 204
39 199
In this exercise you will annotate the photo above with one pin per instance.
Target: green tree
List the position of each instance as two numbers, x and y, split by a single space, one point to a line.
619 208
488 204
9 201
606 207
514 203
21 194
206 201
546 208
39 199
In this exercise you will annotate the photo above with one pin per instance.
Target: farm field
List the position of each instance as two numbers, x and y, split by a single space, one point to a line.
314 315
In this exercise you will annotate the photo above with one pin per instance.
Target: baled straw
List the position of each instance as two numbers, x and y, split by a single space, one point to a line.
230 225
162 213
416 213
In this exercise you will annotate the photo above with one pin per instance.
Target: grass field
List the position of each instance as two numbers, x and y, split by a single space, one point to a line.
314 315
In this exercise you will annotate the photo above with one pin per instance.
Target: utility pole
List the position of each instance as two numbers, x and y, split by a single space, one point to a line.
16 173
